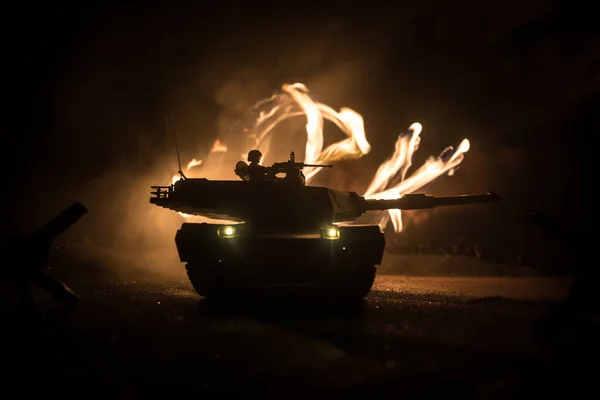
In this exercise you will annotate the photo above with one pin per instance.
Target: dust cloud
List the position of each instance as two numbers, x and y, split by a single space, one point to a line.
442 67
134 146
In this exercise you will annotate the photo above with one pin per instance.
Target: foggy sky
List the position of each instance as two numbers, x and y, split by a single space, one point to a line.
94 86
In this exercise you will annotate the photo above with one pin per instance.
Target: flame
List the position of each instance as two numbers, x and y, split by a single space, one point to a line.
218 147
401 159
390 180
194 163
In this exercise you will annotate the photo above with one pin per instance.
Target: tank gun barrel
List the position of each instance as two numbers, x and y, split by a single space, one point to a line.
419 201
317 165
291 164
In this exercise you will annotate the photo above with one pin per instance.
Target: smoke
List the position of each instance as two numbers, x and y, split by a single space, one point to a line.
111 139
117 125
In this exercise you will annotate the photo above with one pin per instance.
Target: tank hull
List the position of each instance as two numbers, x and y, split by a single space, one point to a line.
232 260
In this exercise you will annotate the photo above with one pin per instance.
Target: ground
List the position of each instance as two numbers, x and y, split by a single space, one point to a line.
152 337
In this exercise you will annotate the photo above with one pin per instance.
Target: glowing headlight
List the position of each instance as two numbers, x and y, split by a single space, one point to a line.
330 232
226 231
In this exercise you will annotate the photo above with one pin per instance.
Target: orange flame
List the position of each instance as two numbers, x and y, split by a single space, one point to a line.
397 166
295 101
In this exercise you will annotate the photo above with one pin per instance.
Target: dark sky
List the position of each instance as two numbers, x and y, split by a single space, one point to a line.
93 85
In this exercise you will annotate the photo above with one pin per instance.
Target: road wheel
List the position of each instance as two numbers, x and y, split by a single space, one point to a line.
354 283
204 281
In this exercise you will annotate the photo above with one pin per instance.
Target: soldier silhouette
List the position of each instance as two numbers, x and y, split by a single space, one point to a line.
257 172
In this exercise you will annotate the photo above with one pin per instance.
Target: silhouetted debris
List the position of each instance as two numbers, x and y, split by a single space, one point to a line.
581 308
27 262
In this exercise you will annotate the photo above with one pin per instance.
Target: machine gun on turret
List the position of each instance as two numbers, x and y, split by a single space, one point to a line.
293 170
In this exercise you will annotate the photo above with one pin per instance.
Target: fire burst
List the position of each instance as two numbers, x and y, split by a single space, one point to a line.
390 180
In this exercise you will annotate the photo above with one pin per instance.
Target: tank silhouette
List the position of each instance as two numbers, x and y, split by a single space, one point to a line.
282 235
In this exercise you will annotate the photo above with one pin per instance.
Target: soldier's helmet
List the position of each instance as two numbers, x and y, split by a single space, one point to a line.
254 156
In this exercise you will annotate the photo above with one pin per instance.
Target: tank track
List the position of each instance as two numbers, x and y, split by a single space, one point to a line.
356 285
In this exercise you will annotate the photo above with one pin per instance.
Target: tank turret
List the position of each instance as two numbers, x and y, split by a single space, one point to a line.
286 235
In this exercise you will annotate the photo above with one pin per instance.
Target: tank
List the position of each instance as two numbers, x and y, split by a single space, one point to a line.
283 236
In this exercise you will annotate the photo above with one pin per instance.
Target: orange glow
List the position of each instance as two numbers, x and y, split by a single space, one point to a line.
294 101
